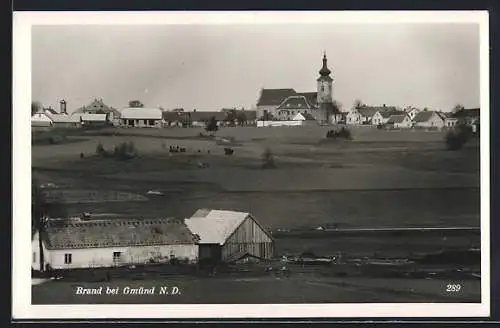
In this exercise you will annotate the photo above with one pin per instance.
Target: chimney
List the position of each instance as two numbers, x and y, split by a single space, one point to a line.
62 107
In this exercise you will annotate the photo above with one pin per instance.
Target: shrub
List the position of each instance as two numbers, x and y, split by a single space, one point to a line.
228 151
268 159
456 138
99 150
343 133
125 151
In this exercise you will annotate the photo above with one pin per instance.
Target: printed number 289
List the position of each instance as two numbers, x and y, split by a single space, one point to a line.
453 288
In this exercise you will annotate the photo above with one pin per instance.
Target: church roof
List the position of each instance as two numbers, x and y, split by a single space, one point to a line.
274 97
295 102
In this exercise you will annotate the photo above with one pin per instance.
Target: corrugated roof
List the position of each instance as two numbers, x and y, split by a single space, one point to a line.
274 97
215 226
116 233
94 117
141 114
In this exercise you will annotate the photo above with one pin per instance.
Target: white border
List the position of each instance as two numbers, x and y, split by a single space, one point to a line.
22 308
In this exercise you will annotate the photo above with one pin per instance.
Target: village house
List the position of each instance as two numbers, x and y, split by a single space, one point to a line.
61 119
227 235
450 122
141 117
362 115
77 243
468 116
412 112
320 104
428 120
400 121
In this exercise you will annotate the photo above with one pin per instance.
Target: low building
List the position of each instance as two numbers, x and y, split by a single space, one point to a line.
428 120
382 116
401 121
70 244
64 120
223 235
41 120
141 117
361 116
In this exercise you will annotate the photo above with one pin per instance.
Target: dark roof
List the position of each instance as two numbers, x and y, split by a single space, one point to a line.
425 116
390 112
295 102
397 118
51 110
469 112
116 233
206 115
367 111
97 105
250 115
175 116
312 97
274 97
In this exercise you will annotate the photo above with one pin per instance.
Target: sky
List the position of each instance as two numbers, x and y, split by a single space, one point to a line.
209 67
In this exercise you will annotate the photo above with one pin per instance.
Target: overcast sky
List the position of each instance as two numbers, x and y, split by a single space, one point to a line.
212 67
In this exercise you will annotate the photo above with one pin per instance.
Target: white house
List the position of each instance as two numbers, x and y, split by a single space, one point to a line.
41 119
450 122
412 112
227 235
141 117
362 115
401 121
71 244
429 120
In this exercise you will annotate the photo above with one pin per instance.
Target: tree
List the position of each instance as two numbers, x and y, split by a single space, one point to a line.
135 104
39 210
231 117
458 108
35 107
357 104
241 118
212 126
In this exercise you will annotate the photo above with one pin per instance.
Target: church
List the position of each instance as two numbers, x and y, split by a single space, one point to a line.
284 104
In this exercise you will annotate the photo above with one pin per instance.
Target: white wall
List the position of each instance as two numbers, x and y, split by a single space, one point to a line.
434 122
103 257
261 124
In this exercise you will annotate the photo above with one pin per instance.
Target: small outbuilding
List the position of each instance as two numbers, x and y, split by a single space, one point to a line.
224 235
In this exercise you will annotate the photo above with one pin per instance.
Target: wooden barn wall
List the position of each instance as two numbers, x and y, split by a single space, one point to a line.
249 237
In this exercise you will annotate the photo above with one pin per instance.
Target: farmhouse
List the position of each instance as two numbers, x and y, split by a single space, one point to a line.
71 244
320 104
362 115
64 120
383 114
401 121
468 116
450 122
141 117
97 106
226 235
429 120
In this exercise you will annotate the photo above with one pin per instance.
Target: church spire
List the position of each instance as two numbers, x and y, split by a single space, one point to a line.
324 71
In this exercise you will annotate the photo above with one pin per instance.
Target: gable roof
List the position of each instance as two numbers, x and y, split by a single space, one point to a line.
312 97
141 114
367 111
67 234
215 226
470 112
50 110
390 112
97 105
397 118
425 116
295 102
274 97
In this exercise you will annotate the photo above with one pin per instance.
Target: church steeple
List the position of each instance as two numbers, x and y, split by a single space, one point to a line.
324 71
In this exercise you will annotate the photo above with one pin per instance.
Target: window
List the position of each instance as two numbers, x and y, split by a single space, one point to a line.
34 257
116 256
67 258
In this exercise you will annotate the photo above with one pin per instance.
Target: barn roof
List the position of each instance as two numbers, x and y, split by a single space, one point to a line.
116 233
215 226
425 116
274 97
397 118
141 114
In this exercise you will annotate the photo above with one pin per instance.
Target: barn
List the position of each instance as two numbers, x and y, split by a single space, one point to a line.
228 235
141 117
77 243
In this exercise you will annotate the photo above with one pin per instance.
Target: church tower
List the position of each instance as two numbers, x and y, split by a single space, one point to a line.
324 88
